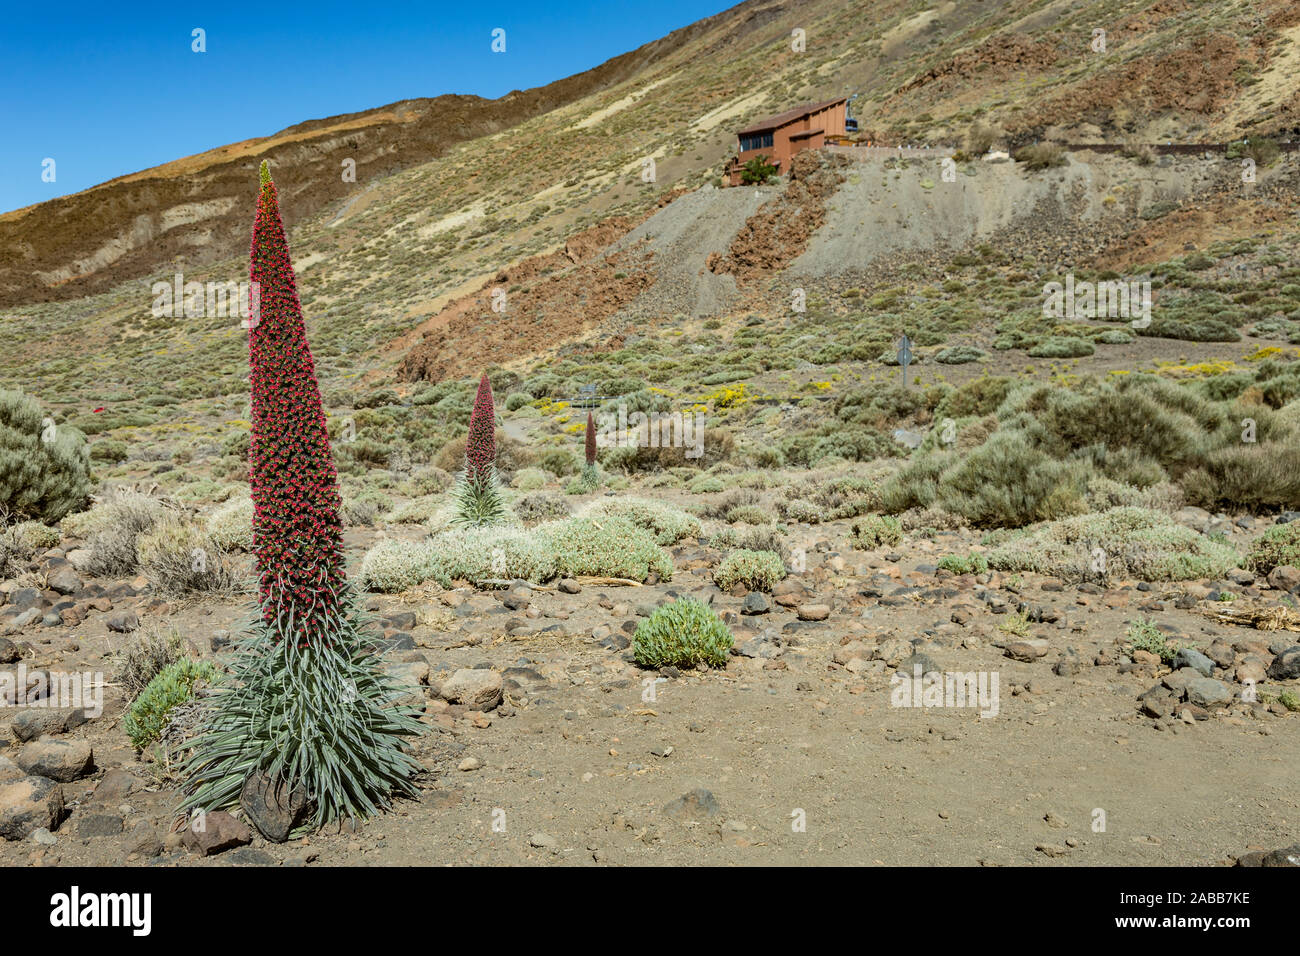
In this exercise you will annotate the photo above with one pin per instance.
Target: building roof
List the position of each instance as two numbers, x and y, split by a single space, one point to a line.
789 116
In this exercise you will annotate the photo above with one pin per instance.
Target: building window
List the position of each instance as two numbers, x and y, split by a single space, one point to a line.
757 141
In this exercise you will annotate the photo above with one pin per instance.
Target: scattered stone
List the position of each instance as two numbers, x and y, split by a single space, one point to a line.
544 841
25 598
64 581
1146 660
1026 651
251 856
123 622
61 760
477 689
211 833
764 645
35 722
1158 702
892 651
272 807
569 586
1286 856
1250 669
1286 666
401 620
80 558
918 664
29 804
616 641
1069 665
115 787
1190 657
1208 692
397 641
1284 578
698 806
29 616
9 771
469 764
755 602
1221 653
813 612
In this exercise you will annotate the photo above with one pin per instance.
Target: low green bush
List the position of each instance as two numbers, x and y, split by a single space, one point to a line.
768 537
231 525
875 531
419 510
959 355
559 462
1278 546
394 566
1146 636
668 524
748 514
606 545
181 558
28 537
706 484
970 564
111 529
175 684
44 467
974 398
1124 542
475 554
529 479
756 570
685 633
541 506
1062 347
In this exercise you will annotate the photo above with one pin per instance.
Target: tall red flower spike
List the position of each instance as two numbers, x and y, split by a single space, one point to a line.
297 532
591 440
481 444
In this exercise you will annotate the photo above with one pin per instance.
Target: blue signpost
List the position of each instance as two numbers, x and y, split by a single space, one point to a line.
905 355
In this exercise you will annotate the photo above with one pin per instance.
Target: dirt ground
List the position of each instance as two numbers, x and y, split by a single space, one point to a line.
804 759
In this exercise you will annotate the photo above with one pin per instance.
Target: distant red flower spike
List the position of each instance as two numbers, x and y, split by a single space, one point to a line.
481 443
100 409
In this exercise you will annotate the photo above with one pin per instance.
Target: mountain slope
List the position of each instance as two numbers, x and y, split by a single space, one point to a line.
192 209
1172 69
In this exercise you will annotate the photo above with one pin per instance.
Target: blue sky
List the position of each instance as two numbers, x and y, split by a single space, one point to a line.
106 89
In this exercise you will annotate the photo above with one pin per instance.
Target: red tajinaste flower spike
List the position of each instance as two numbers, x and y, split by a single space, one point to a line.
297 531
591 440
481 443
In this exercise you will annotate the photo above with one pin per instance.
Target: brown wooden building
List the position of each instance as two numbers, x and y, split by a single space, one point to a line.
781 137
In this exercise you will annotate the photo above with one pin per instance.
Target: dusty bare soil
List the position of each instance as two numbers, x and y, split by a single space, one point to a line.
530 306
795 754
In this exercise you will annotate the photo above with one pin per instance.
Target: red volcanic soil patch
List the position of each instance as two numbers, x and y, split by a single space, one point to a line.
779 231
547 299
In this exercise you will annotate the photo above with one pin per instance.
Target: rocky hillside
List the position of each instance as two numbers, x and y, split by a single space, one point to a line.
539 159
